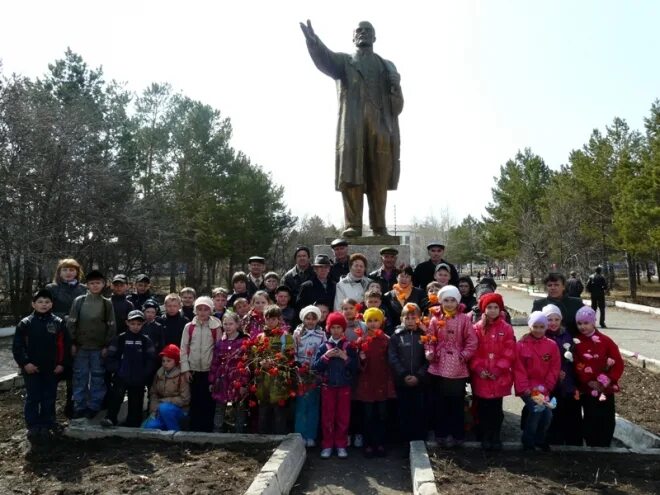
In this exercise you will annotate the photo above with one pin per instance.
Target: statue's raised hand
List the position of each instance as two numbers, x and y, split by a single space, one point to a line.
308 31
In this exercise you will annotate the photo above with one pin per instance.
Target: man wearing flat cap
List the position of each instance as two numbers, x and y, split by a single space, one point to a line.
387 272
320 287
340 267
301 272
256 266
423 274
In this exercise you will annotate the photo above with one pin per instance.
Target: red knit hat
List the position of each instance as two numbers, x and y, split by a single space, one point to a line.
491 297
171 351
335 318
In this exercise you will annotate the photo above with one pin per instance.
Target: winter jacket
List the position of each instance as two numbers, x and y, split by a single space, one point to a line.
154 331
169 387
172 328
537 363
121 307
63 296
41 339
313 291
386 282
349 288
597 285
91 321
496 354
253 323
591 361
131 357
197 342
454 345
225 369
188 312
339 270
565 387
375 383
335 371
406 354
574 287
294 278
138 300
307 343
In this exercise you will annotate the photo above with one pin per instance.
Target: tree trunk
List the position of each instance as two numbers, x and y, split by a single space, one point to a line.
172 276
632 276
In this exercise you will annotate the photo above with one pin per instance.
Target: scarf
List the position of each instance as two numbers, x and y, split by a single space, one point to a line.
402 295
449 314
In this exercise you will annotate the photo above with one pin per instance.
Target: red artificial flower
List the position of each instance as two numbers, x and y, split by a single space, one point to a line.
359 332
279 355
236 384
310 352
359 307
441 323
281 402
273 371
433 299
252 404
378 333
292 394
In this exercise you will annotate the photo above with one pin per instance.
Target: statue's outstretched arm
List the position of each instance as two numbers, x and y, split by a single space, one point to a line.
327 61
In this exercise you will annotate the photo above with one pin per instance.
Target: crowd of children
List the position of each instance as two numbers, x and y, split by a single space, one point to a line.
243 362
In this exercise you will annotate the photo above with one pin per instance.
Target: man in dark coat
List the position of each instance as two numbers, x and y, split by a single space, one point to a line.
597 287
423 274
387 272
301 272
339 266
368 145
555 284
320 287
574 285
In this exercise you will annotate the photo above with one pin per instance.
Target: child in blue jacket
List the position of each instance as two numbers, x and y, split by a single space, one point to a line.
336 361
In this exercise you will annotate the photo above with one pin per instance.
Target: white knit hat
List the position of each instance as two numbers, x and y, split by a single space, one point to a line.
449 291
203 301
551 309
310 309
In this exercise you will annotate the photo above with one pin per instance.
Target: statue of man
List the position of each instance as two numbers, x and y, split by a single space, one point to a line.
368 144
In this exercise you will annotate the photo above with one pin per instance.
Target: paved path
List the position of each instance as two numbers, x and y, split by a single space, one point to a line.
637 332
7 363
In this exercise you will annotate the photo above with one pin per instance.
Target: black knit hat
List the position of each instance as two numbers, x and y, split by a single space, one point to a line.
95 275
45 293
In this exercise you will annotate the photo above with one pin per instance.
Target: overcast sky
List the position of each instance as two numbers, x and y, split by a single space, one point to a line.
480 79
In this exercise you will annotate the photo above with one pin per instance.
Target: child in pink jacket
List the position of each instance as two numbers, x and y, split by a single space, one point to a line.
492 368
451 341
535 375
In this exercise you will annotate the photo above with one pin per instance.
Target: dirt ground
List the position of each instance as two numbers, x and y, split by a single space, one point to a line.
504 473
114 466
638 400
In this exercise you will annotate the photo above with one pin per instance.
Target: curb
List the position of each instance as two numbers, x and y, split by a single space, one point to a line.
639 308
635 436
85 431
423 481
637 359
8 382
281 470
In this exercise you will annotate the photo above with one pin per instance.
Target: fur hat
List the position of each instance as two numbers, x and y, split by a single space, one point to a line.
449 291
335 318
373 314
492 297
551 309
171 351
585 313
537 317
203 301
310 309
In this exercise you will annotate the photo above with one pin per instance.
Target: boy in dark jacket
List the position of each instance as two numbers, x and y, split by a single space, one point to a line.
336 361
172 321
131 358
120 303
39 344
409 365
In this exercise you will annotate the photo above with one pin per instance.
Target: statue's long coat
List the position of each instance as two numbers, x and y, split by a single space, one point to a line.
350 155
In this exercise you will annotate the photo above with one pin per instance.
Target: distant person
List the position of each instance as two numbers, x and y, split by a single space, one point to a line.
38 349
425 271
574 286
466 288
597 287
340 264
555 284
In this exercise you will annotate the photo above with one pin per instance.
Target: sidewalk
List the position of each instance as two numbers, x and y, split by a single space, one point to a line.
637 332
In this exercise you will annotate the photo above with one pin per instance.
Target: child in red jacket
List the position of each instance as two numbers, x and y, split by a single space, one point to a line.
535 375
375 385
598 366
492 368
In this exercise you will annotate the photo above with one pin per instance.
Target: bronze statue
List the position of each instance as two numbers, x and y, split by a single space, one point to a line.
368 144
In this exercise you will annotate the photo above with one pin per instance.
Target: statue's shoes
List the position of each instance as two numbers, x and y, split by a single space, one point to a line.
352 232
382 232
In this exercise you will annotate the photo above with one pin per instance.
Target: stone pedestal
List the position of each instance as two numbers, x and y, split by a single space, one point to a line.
370 247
